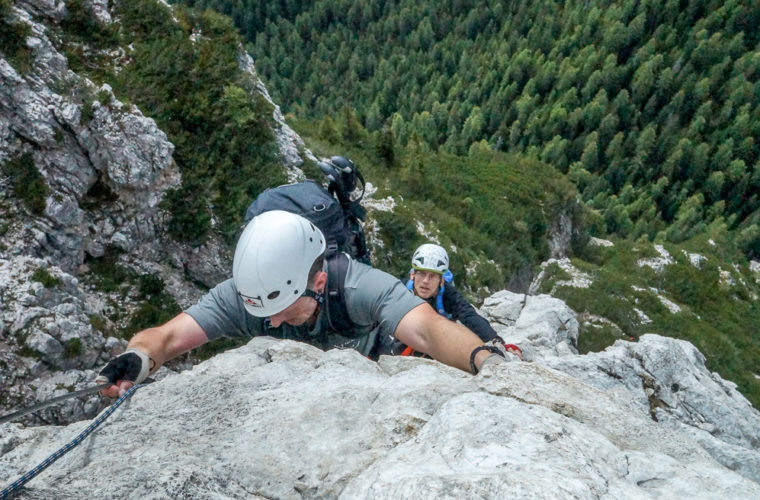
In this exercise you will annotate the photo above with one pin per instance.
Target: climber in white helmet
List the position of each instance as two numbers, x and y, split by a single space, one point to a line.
431 280
279 288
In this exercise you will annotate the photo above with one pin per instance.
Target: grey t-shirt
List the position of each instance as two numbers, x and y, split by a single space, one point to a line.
375 300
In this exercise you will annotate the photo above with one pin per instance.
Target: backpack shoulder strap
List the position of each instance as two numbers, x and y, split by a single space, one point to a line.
439 303
335 305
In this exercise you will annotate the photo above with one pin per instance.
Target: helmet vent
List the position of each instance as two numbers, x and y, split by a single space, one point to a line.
273 295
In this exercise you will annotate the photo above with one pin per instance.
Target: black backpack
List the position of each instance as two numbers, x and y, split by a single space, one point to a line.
338 217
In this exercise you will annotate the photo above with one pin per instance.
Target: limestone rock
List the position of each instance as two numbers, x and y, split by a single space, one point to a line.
281 419
668 378
541 321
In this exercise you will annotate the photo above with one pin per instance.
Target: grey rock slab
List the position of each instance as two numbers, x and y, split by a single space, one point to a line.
281 419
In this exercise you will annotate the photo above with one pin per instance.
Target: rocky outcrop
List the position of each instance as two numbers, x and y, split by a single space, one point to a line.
291 146
87 145
666 378
280 419
106 168
545 325
49 344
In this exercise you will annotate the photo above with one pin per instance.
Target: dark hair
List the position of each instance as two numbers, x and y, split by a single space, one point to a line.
316 266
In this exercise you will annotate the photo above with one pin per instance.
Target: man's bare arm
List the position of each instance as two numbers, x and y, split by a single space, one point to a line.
161 343
425 330
177 336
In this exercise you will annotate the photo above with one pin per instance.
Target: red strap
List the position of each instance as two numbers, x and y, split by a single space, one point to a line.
512 346
408 351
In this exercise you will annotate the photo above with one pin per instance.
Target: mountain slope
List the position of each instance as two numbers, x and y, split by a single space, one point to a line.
650 107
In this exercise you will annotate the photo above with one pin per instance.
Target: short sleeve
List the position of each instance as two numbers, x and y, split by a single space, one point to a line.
221 313
376 299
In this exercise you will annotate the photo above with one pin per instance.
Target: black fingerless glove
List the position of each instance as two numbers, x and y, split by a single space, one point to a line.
133 365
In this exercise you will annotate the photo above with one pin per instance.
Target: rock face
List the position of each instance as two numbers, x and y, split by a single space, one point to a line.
106 167
280 419
668 378
664 377
291 147
545 325
110 148
42 327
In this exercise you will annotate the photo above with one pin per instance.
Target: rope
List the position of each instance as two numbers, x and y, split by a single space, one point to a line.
13 416
66 448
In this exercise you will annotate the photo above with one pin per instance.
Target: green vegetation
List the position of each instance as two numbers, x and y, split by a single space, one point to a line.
552 275
13 36
88 107
493 207
597 337
80 32
72 348
100 324
106 273
718 302
81 26
652 108
28 352
154 305
27 182
186 76
43 276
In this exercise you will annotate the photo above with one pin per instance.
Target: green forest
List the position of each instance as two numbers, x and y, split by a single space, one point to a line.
647 110
652 108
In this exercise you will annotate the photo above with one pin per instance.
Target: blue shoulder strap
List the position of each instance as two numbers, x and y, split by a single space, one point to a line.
439 303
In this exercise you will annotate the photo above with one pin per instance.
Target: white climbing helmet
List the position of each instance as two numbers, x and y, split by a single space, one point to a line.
430 257
272 261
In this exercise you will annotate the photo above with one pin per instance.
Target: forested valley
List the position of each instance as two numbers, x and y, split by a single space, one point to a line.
649 107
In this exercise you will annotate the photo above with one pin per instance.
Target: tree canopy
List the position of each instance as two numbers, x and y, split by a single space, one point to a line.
633 93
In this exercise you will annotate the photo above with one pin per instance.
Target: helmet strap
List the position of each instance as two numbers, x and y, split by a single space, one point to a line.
318 296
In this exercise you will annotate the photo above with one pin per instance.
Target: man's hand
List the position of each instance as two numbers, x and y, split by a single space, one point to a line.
128 368
500 353
492 359
507 348
149 349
